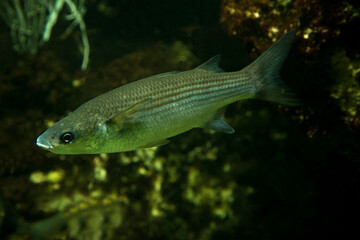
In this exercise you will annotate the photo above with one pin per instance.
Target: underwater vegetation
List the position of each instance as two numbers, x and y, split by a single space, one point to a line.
31 23
286 173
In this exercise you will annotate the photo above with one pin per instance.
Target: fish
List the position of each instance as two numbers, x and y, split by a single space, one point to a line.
146 112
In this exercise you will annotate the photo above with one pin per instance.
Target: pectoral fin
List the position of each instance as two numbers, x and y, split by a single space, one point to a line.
218 123
128 115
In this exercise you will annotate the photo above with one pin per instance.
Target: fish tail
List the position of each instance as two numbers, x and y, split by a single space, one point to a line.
266 69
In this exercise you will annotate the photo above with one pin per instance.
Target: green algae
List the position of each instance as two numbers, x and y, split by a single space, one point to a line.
346 89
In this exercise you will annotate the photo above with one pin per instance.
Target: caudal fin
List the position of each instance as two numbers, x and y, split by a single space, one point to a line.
267 71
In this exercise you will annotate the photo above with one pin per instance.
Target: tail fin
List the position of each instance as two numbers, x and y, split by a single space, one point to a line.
267 68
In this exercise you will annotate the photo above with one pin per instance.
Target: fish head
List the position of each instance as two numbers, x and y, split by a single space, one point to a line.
73 135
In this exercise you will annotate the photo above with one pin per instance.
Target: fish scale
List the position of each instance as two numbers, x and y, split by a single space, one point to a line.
215 88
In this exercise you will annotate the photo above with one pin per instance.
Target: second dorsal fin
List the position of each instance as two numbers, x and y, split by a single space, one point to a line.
211 65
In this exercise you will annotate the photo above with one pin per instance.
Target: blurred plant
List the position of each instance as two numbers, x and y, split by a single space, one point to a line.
346 89
31 23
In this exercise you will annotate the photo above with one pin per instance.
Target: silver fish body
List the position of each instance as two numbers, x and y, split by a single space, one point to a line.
146 112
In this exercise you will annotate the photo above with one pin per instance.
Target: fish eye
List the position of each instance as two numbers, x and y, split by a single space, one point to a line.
67 137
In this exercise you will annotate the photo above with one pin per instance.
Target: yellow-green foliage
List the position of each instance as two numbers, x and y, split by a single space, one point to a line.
346 89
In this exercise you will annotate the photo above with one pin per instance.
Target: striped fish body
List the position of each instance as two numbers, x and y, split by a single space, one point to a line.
168 106
147 112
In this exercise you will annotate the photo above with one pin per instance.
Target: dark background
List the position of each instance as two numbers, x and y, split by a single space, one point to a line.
294 171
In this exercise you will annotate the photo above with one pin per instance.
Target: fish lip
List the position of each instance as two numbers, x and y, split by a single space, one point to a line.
43 143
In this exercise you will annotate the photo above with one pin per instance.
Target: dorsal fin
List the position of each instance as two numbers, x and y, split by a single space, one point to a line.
162 75
211 65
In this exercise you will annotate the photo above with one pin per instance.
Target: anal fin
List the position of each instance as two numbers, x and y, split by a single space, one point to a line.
218 123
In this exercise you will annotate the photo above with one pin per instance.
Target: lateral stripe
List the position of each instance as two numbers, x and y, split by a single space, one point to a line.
214 87
218 92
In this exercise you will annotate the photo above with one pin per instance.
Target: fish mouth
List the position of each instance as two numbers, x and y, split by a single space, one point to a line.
43 143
